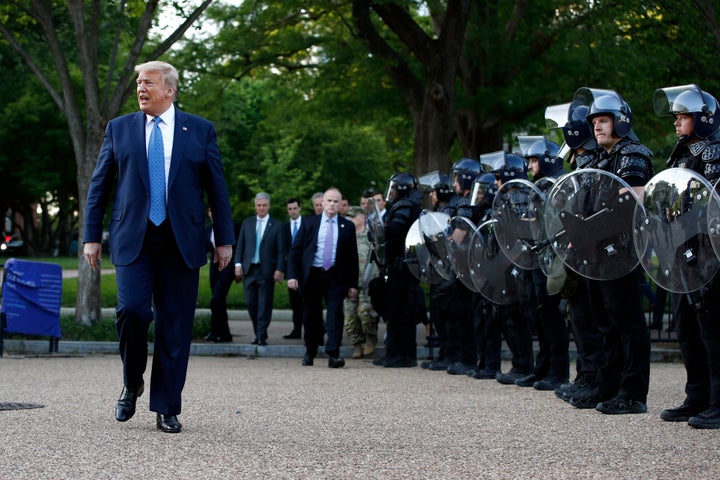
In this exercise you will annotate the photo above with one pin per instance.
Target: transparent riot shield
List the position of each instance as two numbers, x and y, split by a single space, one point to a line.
495 277
714 219
589 223
376 232
518 208
433 228
418 257
671 231
459 244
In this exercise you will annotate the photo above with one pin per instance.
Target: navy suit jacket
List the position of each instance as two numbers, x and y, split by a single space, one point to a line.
272 250
302 252
195 169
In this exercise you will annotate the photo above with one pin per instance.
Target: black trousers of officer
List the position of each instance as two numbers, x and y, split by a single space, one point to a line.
488 334
698 329
552 359
401 313
621 319
588 338
459 328
518 336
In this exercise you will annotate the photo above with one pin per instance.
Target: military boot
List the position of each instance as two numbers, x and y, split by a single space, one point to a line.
369 347
358 351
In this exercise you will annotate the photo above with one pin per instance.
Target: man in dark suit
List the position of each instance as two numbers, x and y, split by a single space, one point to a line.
259 263
160 162
220 283
290 230
323 264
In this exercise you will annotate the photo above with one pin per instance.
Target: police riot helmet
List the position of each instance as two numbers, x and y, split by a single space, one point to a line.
443 187
483 190
402 183
690 100
464 171
513 168
577 131
547 153
616 107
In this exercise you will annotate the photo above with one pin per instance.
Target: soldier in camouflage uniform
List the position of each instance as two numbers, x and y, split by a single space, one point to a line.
361 320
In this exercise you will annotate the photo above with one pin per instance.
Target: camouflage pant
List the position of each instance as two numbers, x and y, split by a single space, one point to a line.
361 321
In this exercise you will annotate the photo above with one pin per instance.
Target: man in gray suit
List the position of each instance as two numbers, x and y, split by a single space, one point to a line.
259 262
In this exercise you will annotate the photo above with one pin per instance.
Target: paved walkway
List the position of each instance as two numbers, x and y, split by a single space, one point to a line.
270 418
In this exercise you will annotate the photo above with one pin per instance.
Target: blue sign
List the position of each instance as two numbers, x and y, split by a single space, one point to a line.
32 293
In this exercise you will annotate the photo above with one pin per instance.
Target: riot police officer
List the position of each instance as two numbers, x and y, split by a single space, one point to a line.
623 379
486 323
454 297
404 300
588 339
444 200
697 121
552 360
516 326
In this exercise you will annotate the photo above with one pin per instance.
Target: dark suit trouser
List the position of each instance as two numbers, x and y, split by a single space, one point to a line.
296 304
259 294
323 285
220 283
159 276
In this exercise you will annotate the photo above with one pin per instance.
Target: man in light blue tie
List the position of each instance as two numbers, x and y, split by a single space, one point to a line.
259 263
160 164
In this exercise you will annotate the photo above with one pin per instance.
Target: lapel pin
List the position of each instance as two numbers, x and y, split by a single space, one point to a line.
184 129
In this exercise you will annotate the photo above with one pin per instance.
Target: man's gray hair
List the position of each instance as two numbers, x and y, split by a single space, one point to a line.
318 195
170 75
262 196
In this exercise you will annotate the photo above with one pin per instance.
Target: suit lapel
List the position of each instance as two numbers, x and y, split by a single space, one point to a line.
137 124
182 132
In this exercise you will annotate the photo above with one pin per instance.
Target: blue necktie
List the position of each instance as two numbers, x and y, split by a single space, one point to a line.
156 166
294 232
258 239
327 251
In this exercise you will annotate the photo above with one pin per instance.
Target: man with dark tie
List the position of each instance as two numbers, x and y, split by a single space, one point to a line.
160 163
323 265
259 263
290 232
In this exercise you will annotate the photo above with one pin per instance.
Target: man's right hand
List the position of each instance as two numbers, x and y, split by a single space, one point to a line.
238 274
93 254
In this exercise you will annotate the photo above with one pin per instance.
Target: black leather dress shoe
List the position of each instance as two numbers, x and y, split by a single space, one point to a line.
307 360
168 423
254 342
291 336
211 337
125 408
227 339
335 362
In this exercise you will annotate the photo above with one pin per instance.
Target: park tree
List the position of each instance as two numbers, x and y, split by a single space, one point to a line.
83 54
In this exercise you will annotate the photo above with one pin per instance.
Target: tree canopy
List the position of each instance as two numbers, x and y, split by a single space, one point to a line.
306 95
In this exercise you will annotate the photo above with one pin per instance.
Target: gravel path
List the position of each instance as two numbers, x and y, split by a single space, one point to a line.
270 418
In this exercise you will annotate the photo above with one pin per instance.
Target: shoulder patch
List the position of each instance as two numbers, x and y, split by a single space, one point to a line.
711 153
636 149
